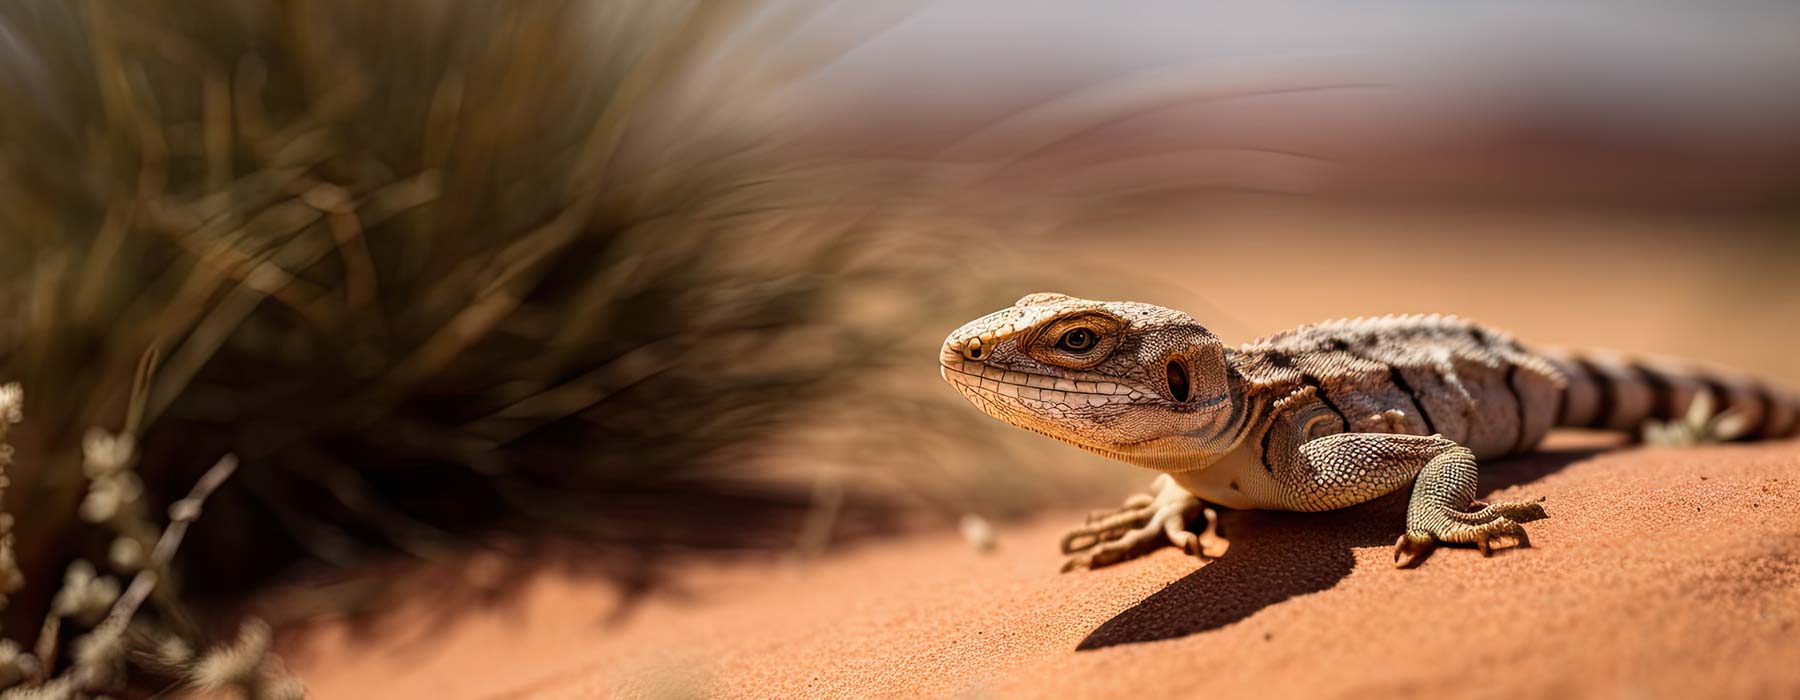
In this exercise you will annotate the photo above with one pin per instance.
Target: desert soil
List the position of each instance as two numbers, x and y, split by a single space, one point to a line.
1661 573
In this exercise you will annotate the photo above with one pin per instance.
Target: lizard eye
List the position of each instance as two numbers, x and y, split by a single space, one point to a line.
1077 340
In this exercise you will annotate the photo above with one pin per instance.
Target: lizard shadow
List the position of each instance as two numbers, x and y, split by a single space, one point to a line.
1276 555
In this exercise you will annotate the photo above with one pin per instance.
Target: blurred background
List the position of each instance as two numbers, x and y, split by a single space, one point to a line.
609 286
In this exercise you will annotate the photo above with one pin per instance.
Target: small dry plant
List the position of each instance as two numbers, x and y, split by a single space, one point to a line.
109 640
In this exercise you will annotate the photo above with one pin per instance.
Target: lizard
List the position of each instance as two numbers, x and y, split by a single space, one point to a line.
1317 418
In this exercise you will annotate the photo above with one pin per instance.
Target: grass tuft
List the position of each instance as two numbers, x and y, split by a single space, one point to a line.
435 276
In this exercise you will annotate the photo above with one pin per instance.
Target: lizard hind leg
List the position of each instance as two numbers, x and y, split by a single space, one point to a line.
1145 522
1439 510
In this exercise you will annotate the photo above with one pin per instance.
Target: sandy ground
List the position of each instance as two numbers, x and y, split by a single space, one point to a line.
1661 573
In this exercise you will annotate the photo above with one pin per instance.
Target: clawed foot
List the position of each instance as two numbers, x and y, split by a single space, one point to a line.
1490 527
1145 522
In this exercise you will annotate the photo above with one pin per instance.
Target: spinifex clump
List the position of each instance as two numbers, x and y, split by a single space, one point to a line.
431 271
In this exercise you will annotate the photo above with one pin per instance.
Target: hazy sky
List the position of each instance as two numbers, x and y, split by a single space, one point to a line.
1734 67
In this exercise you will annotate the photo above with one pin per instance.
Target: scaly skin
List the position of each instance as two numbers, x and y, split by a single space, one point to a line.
1321 417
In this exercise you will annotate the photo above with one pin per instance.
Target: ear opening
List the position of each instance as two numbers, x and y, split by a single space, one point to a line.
1180 386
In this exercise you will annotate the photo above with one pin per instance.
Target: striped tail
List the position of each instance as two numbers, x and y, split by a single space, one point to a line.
1607 391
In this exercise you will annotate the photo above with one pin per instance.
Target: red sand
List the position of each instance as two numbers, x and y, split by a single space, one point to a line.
1661 573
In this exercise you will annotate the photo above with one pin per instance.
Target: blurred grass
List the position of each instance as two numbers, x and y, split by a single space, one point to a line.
449 274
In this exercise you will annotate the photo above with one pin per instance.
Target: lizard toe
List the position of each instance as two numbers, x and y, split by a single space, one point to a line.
1488 529
1145 512
1165 526
1520 511
1134 503
1098 532
1412 548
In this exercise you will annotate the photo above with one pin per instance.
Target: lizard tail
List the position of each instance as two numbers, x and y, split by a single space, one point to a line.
1607 391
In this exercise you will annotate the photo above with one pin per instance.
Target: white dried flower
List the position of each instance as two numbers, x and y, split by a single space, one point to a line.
236 665
79 573
100 505
126 555
10 673
100 657
30 665
11 578
104 453
59 688
173 652
12 403
283 688
109 494
85 597
102 646
12 410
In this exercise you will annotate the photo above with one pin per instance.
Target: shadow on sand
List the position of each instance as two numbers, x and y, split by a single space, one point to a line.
1275 556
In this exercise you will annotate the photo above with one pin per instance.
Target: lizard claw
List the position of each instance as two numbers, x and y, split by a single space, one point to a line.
1207 544
1491 527
1411 549
1102 529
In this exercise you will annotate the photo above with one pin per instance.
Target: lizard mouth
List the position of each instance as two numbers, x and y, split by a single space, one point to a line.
1026 400
1030 387
1034 402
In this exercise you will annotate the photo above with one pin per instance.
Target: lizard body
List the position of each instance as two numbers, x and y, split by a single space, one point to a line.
1321 417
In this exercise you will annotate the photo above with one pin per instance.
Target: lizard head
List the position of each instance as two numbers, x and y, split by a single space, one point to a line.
1134 382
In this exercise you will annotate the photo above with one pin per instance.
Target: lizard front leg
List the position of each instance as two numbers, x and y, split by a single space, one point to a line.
1339 470
1146 521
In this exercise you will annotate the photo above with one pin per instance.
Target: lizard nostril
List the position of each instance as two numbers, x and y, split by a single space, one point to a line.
973 349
